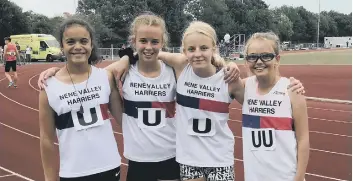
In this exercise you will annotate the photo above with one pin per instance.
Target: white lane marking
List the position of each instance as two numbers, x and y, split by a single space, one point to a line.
17 174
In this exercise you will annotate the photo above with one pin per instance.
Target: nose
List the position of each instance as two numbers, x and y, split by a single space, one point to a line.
258 62
148 46
197 52
78 46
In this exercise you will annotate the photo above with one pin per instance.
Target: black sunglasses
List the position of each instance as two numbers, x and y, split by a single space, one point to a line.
264 57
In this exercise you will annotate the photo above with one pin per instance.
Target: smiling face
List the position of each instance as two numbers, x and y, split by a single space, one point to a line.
199 50
264 49
148 41
77 44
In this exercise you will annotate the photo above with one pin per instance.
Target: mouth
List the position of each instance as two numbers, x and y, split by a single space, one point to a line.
148 55
77 54
259 69
198 61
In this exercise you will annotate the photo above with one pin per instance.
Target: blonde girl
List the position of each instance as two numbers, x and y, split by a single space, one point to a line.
205 143
275 121
149 117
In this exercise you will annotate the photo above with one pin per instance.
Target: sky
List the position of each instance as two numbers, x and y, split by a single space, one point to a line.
58 7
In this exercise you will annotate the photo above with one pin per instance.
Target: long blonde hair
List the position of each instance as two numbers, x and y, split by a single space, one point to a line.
209 31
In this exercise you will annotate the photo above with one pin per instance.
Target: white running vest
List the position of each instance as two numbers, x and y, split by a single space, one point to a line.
148 119
86 141
269 143
203 136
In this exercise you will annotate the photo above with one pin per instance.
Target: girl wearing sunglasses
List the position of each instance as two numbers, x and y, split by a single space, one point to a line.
275 121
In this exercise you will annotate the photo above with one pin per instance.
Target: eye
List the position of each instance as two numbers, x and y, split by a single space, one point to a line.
251 57
203 48
155 42
267 56
84 41
143 40
70 41
191 49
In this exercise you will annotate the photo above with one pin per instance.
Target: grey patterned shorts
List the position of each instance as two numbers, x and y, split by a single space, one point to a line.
209 173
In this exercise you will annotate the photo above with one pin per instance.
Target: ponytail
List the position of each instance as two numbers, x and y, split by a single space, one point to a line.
218 61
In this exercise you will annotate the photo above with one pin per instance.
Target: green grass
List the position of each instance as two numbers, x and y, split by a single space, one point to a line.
341 57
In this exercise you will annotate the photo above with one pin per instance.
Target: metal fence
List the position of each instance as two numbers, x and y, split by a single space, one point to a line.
302 46
113 53
109 53
230 51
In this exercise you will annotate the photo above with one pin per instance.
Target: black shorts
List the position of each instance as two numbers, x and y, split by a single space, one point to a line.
10 65
153 171
110 175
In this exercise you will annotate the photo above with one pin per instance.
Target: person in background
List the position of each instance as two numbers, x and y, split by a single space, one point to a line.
1 55
11 55
28 54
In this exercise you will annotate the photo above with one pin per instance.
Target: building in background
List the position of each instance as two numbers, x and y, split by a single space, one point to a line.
338 42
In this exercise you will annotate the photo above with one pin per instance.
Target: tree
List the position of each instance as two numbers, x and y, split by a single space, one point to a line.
299 24
310 24
111 19
241 12
104 35
38 24
261 20
282 25
175 23
328 26
213 12
55 23
344 23
172 11
12 21
118 14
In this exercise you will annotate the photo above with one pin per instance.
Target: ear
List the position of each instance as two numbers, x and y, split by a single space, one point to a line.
184 51
133 41
162 45
278 58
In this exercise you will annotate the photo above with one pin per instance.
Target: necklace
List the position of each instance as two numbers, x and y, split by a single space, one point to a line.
89 72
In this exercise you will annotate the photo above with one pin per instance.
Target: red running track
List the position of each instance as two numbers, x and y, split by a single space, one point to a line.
330 132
